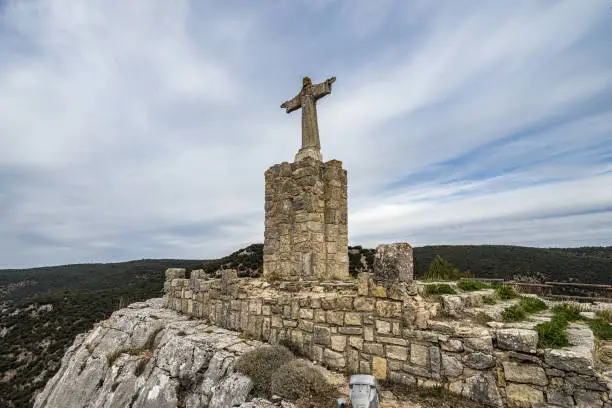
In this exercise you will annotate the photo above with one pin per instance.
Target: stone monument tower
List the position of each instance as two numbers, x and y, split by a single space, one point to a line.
306 236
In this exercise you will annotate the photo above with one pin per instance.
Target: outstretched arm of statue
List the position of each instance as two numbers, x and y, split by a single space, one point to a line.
322 89
292 104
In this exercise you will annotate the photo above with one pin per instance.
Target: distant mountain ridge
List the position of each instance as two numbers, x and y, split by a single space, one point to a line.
585 264
42 309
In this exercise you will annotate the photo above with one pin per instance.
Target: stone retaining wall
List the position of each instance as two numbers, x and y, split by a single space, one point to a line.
392 332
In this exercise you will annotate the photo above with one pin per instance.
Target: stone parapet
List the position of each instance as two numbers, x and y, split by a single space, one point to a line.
306 230
389 330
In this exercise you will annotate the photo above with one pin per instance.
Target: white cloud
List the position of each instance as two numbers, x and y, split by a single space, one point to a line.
143 129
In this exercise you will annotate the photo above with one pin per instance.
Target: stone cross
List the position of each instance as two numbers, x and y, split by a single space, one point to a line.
306 99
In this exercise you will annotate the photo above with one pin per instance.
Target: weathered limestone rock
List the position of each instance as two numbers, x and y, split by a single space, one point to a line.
482 388
175 273
231 391
394 263
334 359
397 353
559 398
141 355
451 366
483 343
523 396
583 382
524 373
453 305
479 361
306 233
588 399
419 354
525 341
577 359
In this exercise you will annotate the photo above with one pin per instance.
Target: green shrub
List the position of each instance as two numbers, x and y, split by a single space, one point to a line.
506 292
470 285
601 329
552 334
440 269
513 313
439 289
605 315
567 311
299 380
532 304
489 300
261 363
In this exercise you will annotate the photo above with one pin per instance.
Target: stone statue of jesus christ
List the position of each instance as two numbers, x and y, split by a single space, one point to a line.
306 99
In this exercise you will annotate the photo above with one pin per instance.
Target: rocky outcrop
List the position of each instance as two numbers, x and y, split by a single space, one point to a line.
147 356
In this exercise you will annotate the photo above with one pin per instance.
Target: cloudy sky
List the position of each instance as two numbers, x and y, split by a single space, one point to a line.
142 129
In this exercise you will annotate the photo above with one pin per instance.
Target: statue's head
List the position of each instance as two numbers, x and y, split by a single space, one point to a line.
306 81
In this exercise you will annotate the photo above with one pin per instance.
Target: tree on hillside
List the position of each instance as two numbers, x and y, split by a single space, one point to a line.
440 269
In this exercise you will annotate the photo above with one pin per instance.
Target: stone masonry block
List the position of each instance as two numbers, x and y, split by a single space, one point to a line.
386 308
394 263
335 317
352 318
419 354
379 368
175 273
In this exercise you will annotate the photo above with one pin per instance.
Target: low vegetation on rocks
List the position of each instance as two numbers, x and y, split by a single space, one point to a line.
505 292
513 313
471 285
567 311
439 289
301 381
261 363
526 305
601 329
532 304
275 370
553 334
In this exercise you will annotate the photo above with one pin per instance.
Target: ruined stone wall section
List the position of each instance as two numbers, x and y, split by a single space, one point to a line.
306 229
391 332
